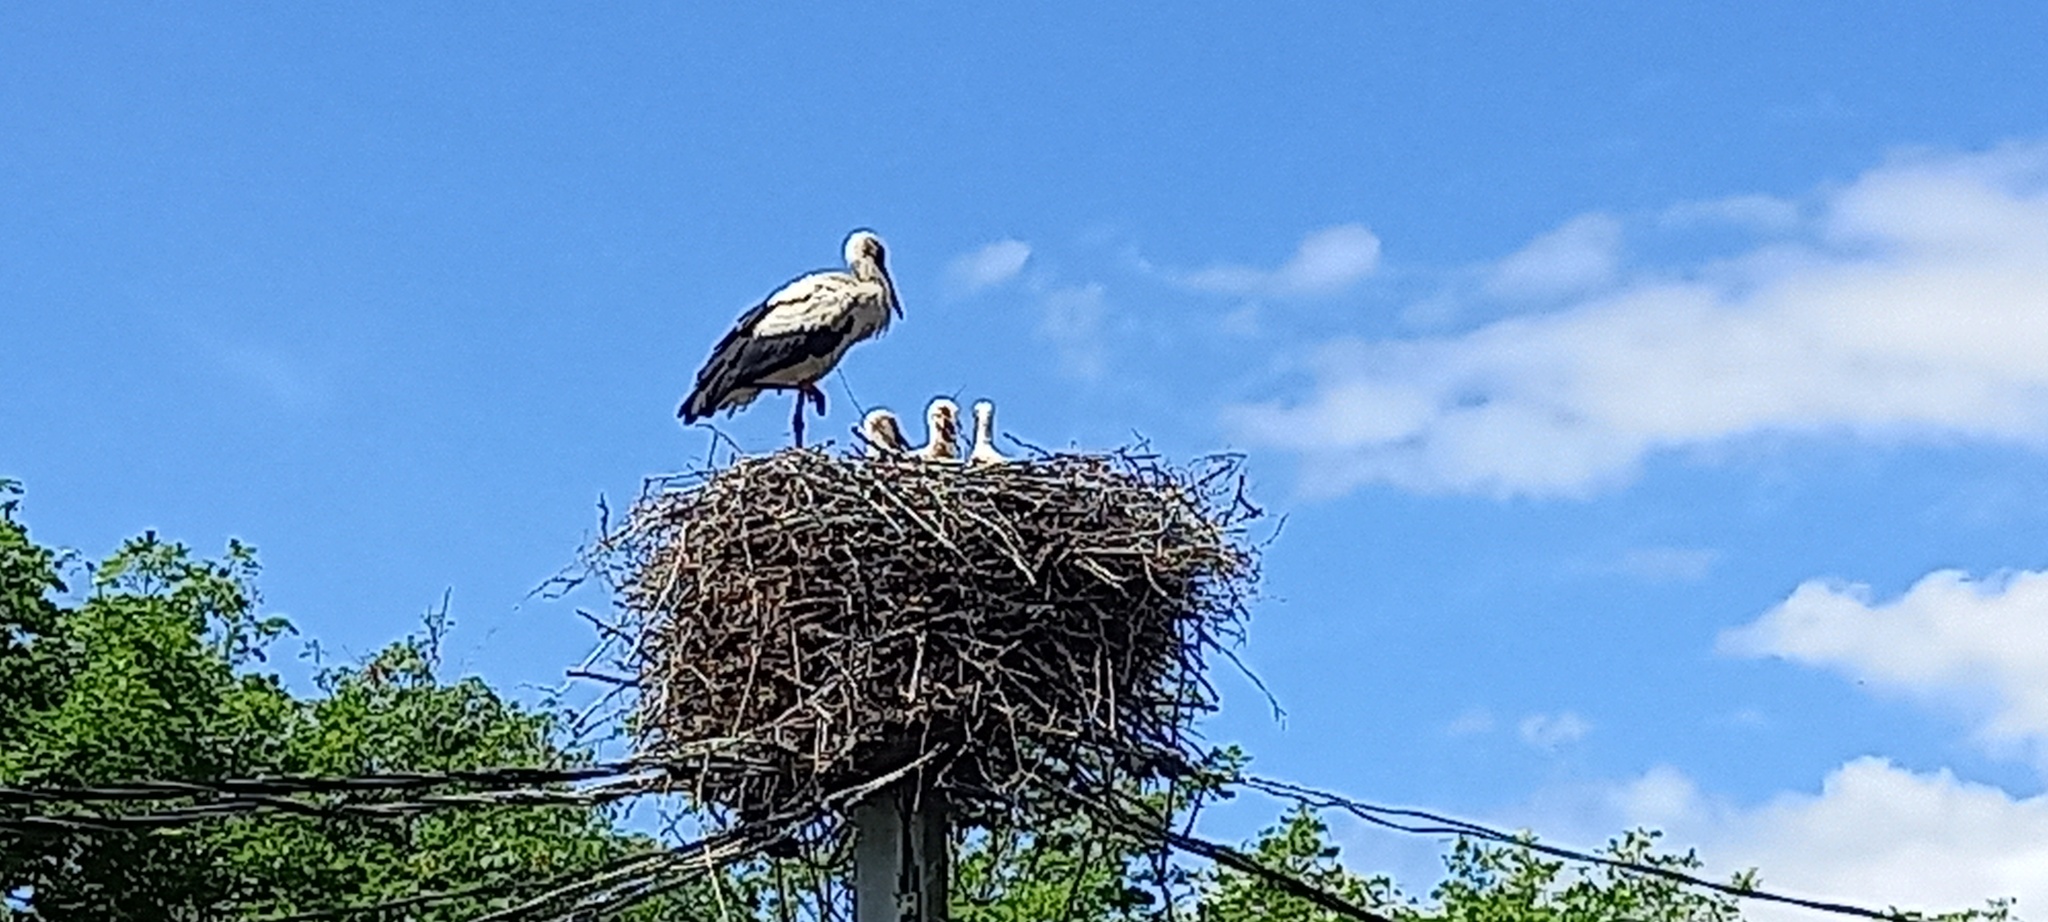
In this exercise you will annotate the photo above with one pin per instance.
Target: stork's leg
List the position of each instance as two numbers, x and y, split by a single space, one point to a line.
817 397
796 422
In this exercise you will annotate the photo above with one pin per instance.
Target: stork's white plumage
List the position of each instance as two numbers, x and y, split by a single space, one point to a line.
883 435
942 432
984 451
797 335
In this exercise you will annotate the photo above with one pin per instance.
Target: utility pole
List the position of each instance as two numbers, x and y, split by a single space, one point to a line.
901 865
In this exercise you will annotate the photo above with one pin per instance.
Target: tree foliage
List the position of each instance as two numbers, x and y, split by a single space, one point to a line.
1495 882
150 665
148 673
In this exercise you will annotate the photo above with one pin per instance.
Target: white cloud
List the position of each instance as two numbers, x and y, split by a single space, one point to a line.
1549 731
1072 319
1916 309
988 266
1327 262
1581 255
1874 834
1948 638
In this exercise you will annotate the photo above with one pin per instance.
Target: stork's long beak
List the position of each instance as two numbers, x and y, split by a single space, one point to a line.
895 303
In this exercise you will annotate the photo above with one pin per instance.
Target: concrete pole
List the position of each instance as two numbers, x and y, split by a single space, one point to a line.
901 860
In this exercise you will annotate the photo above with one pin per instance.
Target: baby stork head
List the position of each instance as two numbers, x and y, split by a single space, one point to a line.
883 434
942 421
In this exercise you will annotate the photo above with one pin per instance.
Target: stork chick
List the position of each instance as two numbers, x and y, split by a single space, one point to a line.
883 435
797 335
942 430
984 451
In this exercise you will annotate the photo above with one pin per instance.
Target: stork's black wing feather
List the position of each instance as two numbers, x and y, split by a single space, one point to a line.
742 359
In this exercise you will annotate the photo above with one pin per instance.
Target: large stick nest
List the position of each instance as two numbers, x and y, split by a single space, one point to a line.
801 621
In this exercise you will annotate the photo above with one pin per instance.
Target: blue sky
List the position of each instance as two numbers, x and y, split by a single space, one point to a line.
1632 375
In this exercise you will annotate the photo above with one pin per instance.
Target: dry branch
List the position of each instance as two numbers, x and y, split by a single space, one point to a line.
1018 630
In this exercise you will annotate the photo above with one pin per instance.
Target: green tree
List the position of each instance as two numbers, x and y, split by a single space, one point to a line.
153 672
153 669
1299 845
1484 882
1077 869
1489 882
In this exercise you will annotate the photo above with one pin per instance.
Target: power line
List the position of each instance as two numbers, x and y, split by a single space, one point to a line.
351 796
606 782
1138 822
1398 819
427 898
371 795
234 805
630 880
321 784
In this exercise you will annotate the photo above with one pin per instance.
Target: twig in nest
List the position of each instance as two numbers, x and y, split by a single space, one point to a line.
1007 629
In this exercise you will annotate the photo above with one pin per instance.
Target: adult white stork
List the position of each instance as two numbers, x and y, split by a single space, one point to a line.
984 451
790 340
883 435
942 432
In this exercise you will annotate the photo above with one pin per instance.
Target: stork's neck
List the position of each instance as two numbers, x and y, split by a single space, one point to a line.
984 428
868 270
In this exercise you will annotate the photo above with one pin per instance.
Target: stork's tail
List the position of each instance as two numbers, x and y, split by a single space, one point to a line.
698 405
712 397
